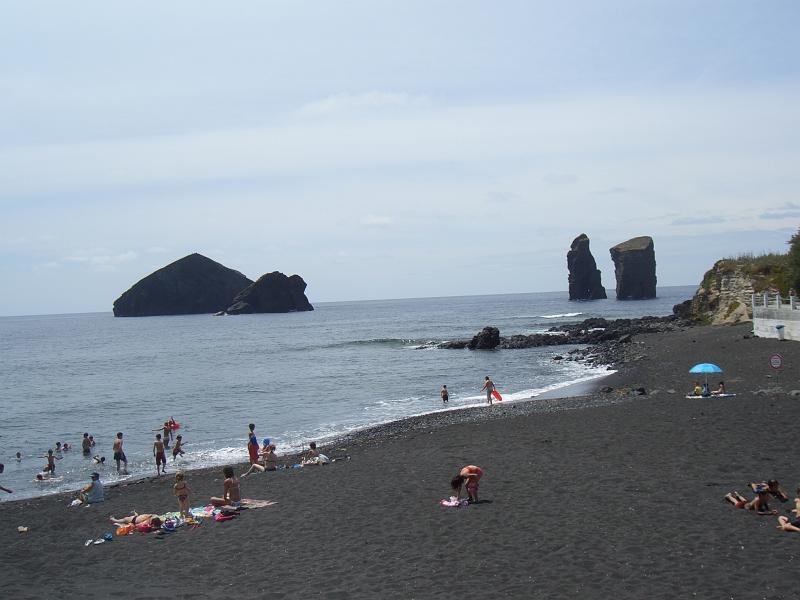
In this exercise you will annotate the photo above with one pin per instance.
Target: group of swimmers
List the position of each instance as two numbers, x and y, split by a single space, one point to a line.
760 503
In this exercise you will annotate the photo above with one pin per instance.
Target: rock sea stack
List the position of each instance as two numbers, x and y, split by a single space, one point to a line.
584 276
191 285
272 293
635 268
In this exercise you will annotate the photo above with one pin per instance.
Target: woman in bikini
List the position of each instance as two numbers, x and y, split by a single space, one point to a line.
231 495
138 520
182 490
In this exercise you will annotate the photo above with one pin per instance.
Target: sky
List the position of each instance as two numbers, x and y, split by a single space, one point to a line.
389 149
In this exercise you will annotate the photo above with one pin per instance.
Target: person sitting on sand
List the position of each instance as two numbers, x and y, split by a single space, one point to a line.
787 524
138 520
705 392
697 391
269 460
468 477
759 504
8 491
773 489
720 390
92 493
314 457
231 495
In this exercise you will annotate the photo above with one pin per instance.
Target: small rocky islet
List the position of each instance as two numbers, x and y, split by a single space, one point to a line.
195 284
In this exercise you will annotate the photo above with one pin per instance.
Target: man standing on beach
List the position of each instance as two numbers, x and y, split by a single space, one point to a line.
445 394
119 454
489 387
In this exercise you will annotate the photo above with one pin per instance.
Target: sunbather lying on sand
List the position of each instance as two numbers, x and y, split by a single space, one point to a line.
759 504
137 519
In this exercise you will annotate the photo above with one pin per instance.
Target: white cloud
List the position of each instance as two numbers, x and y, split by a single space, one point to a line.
338 104
375 221
101 260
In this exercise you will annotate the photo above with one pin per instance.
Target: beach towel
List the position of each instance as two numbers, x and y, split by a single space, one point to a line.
252 503
453 502
711 396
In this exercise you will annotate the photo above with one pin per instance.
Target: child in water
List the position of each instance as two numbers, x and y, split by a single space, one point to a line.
182 491
178 448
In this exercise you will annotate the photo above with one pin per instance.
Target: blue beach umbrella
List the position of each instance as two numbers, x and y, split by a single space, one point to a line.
705 369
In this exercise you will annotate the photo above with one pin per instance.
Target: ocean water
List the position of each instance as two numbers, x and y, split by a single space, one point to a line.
298 376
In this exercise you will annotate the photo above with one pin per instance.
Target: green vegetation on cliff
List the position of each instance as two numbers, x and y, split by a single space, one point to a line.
765 271
794 261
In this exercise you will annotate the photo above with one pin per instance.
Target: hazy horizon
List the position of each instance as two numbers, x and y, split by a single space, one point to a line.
386 149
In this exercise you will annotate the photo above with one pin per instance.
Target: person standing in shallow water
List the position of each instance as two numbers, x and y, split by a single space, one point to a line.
119 454
252 444
489 387
445 395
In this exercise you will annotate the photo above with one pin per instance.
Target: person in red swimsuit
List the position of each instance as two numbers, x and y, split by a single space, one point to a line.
468 477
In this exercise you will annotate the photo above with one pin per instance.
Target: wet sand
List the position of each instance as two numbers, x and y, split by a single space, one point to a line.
599 496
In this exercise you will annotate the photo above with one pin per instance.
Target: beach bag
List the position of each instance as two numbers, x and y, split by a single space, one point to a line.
124 529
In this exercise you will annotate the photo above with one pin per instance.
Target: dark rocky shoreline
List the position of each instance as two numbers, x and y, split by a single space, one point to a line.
604 336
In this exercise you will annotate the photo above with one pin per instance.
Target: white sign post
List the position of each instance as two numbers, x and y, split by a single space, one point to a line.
776 362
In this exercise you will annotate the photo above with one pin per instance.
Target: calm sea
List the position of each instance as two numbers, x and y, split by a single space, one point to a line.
298 377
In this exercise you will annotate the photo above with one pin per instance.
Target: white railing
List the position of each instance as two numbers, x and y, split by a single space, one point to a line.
767 300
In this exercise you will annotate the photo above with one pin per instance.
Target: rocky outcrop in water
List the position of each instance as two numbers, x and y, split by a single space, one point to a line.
487 339
589 331
272 293
584 276
191 285
635 268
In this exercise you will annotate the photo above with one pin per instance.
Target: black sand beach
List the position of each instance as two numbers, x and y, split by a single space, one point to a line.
619 499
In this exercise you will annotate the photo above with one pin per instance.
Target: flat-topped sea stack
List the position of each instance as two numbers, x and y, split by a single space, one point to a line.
272 293
635 268
191 285
584 276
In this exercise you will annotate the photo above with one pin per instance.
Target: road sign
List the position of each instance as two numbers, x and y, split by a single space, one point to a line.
776 361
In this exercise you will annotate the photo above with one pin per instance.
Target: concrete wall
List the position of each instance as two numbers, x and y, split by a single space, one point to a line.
771 311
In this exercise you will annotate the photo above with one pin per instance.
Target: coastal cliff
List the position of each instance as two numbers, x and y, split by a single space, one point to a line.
191 285
723 297
584 276
635 268
272 293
